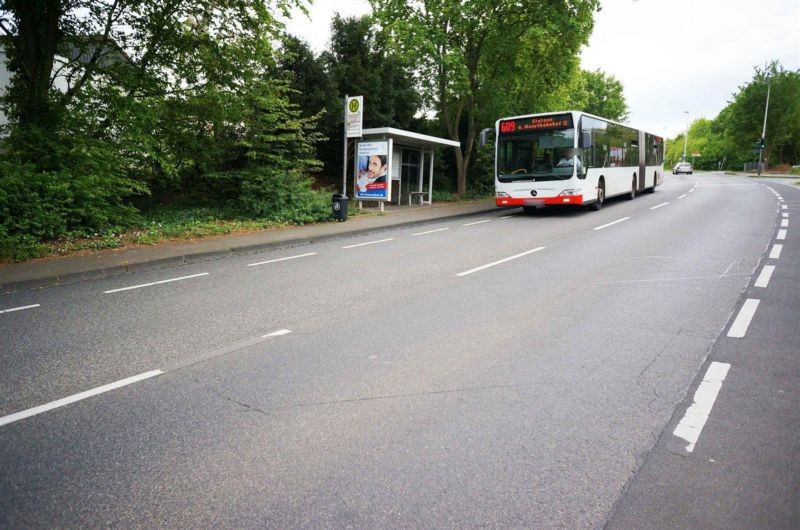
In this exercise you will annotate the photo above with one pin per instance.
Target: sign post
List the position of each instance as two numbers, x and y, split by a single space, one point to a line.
353 120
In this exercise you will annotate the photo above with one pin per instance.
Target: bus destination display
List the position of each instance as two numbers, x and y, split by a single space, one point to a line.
536 124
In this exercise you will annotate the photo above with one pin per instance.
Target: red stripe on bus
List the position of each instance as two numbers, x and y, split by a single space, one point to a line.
546 201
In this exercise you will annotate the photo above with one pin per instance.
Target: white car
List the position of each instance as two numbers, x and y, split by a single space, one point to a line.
682 167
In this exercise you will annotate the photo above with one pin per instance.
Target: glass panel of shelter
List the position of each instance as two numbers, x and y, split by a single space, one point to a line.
410 172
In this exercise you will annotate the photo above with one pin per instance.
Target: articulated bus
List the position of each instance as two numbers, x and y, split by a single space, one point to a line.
572 158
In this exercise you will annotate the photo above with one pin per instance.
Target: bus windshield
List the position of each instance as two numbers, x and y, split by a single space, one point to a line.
546 155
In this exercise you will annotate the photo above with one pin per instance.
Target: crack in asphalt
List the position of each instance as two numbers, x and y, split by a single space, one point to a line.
240 403
411 394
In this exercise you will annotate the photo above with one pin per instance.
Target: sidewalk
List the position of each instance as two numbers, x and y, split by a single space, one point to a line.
69 269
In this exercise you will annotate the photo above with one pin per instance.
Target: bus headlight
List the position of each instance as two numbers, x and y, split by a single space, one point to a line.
575 191
501 194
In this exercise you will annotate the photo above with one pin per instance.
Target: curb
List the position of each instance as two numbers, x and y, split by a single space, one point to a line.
54 280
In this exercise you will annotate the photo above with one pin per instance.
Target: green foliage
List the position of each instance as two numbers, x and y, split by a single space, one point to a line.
729 139
598 94
182 98
359 61
38 205
469 54
282 195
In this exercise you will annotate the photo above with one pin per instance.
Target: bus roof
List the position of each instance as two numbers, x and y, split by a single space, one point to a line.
576 114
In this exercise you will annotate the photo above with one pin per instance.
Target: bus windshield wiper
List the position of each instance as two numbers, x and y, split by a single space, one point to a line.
517 176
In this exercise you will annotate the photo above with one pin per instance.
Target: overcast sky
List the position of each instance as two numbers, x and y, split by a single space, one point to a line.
670 55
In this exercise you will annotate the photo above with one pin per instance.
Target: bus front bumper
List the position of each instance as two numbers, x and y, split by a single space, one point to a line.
504 202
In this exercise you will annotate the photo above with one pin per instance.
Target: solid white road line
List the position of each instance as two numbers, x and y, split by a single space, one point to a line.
430 231
659 205
507 216
742 322
281 259
690 427
19 308
156 283
682 196
498 262
277 333
775 253
370 243
784 223
479 222
781 235
612 223
766 274
76 397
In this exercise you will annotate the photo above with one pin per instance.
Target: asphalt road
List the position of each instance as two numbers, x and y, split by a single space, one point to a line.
508 370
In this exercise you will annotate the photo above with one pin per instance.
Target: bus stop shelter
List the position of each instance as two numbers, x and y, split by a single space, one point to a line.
409 153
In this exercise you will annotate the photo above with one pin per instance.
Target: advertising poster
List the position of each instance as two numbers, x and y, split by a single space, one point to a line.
372 171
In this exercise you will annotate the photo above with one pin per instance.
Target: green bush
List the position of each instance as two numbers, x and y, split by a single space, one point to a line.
40 205
282 196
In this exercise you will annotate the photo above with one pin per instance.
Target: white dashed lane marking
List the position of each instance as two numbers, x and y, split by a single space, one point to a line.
764 277
156 283
498 262
739 327
370 243
610 224
76 397
430 232
11 310
282 259
278 333
691 426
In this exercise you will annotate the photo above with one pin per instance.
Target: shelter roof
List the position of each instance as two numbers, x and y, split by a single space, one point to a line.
408 138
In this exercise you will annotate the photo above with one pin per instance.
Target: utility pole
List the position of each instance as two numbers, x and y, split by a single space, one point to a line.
762 141
685 136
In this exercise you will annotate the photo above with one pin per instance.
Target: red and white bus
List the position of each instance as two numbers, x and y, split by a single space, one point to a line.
572 158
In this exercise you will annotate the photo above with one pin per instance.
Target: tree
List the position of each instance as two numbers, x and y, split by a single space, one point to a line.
742 120
359 61
599 94
462 49
732 136
81 40
165 94
312 89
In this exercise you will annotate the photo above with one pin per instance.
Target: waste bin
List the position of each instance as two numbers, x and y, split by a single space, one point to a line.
340 207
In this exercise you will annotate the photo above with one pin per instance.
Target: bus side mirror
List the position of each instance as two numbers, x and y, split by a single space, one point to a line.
586 139
484 136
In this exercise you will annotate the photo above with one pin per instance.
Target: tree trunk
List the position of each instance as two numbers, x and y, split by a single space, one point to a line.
33 55
461 172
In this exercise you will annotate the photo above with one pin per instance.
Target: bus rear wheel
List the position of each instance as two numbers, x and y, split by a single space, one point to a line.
653 189
632 194
601 196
